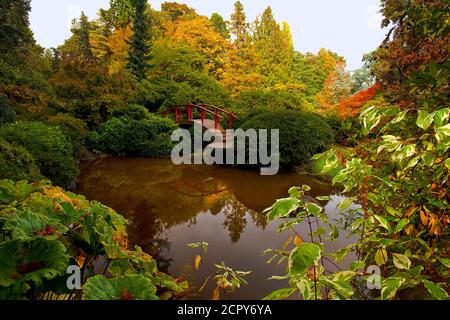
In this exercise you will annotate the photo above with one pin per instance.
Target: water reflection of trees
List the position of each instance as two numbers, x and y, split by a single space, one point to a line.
236 217
143 191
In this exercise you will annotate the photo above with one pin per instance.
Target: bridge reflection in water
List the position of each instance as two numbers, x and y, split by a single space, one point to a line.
202 188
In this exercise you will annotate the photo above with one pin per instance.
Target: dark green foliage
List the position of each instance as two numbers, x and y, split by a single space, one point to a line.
135 112
178 77
139 49
256 101
72 127
48 145
7 113
16 163
148 137
22 66
84 38
14 24
302 135
119 13
220 25
90 93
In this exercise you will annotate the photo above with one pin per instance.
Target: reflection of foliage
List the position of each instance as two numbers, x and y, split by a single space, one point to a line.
235 218
259 219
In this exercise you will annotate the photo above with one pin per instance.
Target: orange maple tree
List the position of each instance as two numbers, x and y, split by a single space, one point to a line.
352 106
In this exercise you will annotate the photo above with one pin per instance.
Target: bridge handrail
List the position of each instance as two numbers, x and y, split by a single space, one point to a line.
202 106
218 108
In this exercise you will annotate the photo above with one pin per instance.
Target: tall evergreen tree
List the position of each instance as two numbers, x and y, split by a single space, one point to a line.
139 54
239 26
84 38
15 32
274 47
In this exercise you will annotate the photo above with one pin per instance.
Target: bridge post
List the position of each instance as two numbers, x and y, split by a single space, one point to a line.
189 112
216 119
203 116
230 124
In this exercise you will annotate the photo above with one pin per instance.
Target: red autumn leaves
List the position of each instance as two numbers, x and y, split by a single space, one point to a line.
351 107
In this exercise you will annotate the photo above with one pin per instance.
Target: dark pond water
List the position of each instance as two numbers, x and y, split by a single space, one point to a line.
170 206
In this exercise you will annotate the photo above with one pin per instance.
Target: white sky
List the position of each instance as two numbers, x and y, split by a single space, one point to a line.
349 27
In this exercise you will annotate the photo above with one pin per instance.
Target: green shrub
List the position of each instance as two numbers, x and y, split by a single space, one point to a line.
134 111
74 128
128 137
16 163
257 101
48 145
302 135
7 112
44 230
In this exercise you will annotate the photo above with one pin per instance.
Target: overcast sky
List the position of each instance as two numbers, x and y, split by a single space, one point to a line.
349 27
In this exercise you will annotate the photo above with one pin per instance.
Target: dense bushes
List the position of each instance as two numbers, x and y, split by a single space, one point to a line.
44 230
16 163
48 145
255 101
73 128
149 137
301 134
7 113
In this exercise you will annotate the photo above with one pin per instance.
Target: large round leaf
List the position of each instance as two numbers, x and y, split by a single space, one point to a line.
36 261
28 226
303 257
130 287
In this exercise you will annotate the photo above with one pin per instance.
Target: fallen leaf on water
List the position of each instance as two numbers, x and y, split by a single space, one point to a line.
216 294
198 259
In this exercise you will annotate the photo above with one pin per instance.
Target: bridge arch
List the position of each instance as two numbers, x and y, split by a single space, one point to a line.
185 113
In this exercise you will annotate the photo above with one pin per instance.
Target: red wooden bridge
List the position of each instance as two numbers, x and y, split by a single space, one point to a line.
217 113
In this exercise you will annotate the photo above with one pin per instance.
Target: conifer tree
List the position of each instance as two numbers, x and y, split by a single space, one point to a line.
139 54
239 26
84 38
15 32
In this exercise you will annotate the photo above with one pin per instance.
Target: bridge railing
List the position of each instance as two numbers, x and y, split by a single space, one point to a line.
204 110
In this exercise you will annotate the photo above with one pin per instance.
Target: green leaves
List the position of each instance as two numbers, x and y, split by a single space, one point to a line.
401 261
38 261
313 209
443 132
390 286
370 119
130 287
41 223
282 208
303 257
436 290
305 288
342 288
424 119
28 226
281 294
383 222
381 256
441 116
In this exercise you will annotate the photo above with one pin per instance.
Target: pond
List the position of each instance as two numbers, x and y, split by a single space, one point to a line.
171 206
